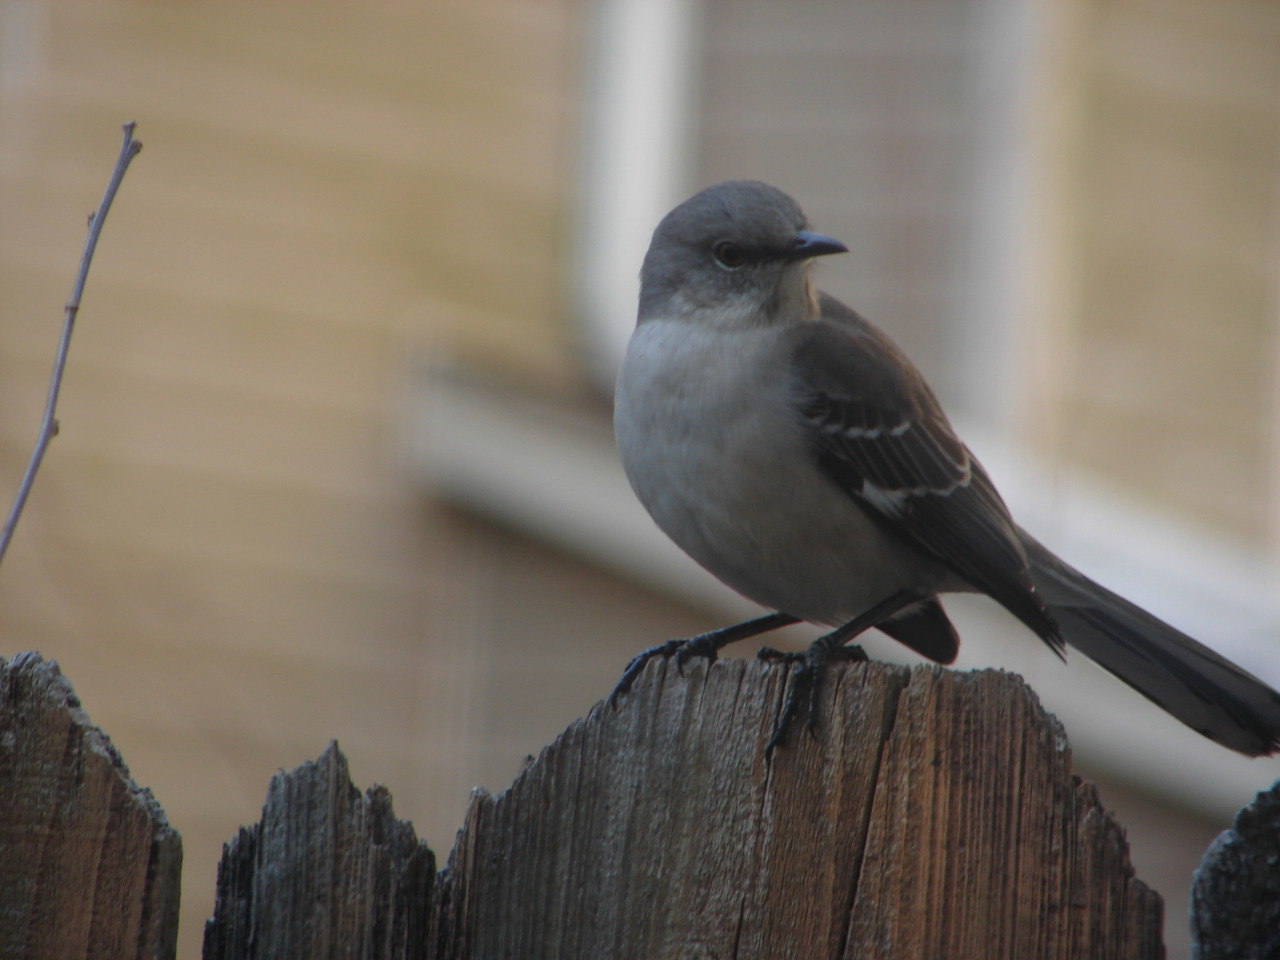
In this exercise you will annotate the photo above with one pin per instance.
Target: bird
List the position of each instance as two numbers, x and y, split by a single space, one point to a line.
788 446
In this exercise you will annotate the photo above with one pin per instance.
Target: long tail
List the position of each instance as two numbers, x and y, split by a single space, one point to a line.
1207 692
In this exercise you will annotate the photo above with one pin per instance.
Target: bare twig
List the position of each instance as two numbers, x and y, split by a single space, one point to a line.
49 425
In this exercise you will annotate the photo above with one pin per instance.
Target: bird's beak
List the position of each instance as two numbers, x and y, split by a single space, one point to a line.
809 244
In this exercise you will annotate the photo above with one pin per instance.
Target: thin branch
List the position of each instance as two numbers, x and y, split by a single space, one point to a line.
49 425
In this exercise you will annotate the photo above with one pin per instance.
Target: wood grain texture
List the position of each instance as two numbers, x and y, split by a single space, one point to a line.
89 866
327 872
934 815
982 842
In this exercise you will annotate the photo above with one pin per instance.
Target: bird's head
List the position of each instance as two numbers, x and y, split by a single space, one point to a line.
736 254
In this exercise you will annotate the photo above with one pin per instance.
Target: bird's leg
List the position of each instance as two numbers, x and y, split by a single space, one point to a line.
706 645
811 665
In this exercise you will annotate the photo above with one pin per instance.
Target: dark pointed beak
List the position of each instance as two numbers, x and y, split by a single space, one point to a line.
809 244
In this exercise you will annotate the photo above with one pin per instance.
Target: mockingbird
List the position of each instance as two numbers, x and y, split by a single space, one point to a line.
792 449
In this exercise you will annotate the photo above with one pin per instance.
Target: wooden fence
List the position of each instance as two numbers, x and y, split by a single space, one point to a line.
934 815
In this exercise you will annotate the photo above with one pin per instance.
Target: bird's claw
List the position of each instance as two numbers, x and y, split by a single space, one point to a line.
681 650
699 646
806 684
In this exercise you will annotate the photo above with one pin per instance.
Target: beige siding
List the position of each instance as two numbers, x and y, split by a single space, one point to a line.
225 549
1170 382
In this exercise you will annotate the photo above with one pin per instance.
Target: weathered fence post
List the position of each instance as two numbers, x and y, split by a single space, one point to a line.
1235 898
89 866
934 815
326 873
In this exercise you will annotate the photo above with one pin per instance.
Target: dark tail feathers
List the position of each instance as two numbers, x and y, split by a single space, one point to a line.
1207 692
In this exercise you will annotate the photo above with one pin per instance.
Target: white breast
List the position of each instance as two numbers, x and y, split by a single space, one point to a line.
714 450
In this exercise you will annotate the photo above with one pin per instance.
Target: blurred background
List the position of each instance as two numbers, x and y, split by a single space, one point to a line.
335 458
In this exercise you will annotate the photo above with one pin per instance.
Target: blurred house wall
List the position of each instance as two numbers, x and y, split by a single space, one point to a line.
224 548
1172 246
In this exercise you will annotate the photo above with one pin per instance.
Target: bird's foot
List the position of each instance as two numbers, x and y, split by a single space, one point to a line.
703 645
806 683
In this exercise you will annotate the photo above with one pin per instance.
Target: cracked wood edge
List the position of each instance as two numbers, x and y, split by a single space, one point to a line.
326 872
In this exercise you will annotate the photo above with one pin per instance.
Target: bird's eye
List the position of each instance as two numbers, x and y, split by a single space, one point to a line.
729 255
